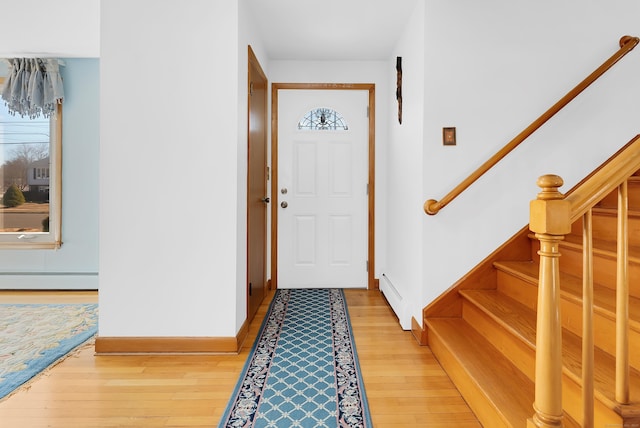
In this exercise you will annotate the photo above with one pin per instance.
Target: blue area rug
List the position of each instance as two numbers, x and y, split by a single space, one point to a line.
35 336
303 369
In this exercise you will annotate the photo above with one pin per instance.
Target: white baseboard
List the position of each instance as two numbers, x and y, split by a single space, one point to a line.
48 281
397 302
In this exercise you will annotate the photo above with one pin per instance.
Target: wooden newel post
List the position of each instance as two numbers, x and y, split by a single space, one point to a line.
550 221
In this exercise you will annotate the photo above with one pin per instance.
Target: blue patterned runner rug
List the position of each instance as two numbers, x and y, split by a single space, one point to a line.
303 369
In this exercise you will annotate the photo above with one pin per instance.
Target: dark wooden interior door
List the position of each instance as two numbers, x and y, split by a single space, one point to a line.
257 201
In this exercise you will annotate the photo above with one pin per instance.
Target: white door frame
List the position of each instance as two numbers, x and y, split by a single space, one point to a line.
372 282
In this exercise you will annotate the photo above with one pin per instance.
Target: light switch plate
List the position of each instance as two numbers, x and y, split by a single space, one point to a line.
449 136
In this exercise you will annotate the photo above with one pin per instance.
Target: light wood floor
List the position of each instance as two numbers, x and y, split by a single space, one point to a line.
406 386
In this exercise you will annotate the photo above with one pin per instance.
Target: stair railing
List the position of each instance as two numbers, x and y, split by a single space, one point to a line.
551 216
627 43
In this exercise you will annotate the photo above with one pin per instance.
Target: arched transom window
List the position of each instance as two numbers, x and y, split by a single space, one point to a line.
323 118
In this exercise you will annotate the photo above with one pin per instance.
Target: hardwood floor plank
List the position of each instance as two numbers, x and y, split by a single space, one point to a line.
405 384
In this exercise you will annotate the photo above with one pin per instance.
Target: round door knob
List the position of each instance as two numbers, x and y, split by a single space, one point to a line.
284 204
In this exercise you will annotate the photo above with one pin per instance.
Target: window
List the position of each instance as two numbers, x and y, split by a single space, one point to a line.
323 118
30 184
41 173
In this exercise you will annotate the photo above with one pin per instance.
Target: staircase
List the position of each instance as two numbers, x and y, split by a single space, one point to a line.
483 330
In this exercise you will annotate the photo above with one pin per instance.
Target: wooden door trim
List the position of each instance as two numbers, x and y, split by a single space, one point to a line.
372 282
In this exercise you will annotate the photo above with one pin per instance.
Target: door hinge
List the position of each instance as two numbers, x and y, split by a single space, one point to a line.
251 288
367 188
250 88
367 111
367 265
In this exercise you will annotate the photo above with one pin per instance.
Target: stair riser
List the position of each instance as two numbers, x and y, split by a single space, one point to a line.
523 357
605 227
519 290
571 315
572 404
604 329
633 193
481 407
604 269
519 353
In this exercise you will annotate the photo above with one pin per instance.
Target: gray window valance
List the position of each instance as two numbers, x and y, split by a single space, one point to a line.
33 87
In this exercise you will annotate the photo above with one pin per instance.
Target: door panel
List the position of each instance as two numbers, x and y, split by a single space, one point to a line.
340 162
305 240
256 187
322 203
340 227
305 168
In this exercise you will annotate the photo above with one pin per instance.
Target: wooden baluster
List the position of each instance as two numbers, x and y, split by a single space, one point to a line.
550 221
622 299
587 321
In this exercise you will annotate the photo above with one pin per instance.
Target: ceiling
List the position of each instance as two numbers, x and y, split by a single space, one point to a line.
330 29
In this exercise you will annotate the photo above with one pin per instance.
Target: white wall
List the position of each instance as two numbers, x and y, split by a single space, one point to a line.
281 71
61 28
403 271
172 216
169 196
490 70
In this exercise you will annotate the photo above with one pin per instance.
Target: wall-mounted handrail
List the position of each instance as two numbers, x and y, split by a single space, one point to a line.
627 43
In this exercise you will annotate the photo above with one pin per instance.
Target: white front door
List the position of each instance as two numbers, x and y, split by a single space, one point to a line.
322 195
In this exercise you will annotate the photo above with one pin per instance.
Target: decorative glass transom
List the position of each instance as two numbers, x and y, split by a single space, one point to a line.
323 118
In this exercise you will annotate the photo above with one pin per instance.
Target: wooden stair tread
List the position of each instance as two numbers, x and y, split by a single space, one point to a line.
509 313
507 388
604 298
521 322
